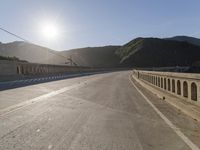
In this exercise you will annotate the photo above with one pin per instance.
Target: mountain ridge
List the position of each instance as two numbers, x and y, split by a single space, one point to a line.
155 52
184 38
139 52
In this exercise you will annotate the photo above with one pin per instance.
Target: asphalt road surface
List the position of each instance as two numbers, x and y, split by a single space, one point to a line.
97 112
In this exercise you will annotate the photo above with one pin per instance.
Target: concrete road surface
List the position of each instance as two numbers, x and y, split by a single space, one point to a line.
98 112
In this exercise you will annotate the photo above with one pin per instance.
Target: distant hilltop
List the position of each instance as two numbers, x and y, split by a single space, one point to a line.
188 39
140 52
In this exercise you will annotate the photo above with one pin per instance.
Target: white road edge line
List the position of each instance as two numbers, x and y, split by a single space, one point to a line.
167 121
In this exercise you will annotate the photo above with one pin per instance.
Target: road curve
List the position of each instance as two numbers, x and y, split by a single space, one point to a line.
98 112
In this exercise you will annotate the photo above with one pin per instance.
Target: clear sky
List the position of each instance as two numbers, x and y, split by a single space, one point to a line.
83 23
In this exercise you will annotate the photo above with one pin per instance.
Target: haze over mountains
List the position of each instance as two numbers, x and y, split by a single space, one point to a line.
140 52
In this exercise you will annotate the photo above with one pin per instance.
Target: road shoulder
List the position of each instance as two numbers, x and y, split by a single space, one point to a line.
188 125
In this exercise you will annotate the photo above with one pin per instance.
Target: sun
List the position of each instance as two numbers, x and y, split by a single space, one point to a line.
49 30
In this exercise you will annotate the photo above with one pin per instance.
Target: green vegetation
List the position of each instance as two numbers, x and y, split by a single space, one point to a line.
129 49
11 59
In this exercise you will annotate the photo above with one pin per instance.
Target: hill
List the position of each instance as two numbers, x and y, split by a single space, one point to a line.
90 56
26 51
154 52
140 52
188 39
94 56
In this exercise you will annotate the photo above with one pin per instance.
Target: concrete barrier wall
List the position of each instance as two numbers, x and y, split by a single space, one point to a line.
183 85
10 70
20 68
7 68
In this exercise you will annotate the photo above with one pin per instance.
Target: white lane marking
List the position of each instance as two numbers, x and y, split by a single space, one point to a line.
12 108
34 100
167 121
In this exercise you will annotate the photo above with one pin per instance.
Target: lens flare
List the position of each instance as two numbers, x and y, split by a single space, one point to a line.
49 30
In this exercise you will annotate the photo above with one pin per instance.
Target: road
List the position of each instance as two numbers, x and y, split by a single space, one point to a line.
30 80
97 112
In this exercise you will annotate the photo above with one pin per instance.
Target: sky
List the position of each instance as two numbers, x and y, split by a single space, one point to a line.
89 23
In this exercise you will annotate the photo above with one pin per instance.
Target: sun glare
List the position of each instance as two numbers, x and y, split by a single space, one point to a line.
49 30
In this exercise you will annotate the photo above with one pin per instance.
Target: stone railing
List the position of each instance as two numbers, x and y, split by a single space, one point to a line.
183 85
22 68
